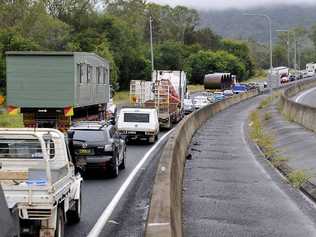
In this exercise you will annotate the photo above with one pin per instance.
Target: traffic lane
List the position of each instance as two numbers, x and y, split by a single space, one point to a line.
130 216
97 192
306 97
227 192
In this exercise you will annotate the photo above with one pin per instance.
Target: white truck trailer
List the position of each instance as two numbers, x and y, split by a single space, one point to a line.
166 93
39 180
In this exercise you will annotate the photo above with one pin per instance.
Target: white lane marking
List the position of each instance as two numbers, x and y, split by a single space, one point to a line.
158 224
304 94
243 138
107 212
278 172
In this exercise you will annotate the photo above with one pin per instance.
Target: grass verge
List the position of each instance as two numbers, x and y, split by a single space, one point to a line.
11 121
121 97
265 141
298 177
195 88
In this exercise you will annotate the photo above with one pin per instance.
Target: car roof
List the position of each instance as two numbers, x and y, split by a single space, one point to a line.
90 125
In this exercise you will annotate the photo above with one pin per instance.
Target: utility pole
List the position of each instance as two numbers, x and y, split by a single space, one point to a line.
151 43
269 21
295 53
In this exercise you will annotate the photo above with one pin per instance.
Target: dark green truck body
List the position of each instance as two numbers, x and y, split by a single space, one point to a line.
44 84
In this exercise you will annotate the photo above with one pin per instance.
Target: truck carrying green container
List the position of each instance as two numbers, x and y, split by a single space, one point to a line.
54 88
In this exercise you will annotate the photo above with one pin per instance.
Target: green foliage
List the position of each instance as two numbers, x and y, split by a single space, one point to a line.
267 116
120 33
298 177
266 102
265 141
240 50
280 56
204 37
204 62
170 56
10 121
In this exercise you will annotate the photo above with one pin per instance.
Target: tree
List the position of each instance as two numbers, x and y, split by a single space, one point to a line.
205 62
204 37
169 56
240 50
279 56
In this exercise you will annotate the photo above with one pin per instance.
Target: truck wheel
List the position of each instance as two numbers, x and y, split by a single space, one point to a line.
73 216
156 137
115 168
122 165
60 223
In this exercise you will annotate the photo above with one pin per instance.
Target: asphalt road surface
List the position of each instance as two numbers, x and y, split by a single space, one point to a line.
97 191
230 190
307 97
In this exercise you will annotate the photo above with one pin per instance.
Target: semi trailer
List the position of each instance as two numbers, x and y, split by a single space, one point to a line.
165 92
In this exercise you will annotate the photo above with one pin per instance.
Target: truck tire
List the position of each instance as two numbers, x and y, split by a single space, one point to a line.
115 168
122 165
73 216
60 223
156 137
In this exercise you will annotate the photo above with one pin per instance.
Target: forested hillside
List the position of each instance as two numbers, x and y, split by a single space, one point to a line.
120 33
231 23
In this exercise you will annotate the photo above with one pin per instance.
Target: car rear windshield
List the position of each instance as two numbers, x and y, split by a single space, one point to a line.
136 117
90 136
12 147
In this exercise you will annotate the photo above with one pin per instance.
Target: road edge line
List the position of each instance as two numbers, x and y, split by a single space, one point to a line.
107 212
297 100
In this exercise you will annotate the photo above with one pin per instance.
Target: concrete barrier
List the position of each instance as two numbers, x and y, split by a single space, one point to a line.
165 212
299 113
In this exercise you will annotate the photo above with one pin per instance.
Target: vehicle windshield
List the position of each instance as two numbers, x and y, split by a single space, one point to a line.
136 117
20 147
90 136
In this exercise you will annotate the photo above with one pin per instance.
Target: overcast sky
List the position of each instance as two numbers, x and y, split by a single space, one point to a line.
222 4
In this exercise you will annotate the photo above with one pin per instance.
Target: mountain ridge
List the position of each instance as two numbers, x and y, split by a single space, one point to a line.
231 23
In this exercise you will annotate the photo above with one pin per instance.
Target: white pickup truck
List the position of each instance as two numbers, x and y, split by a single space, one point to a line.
39 181
138 123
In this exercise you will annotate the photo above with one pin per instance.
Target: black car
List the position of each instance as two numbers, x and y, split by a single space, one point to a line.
96 145
292 78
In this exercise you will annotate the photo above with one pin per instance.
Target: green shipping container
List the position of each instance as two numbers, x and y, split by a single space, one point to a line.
56 79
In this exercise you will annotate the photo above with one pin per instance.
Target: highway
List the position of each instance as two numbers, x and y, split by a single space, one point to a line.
98 192
306 97
231 190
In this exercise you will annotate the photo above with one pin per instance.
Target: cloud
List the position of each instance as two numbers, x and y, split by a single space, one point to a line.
223 4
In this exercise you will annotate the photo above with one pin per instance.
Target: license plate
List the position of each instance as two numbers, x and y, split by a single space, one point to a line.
85 151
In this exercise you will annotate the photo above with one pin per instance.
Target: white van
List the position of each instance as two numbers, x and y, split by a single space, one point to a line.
138 123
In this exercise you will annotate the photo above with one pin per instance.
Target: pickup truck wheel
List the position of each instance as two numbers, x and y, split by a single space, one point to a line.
115 168
60 223
74 215
122 165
